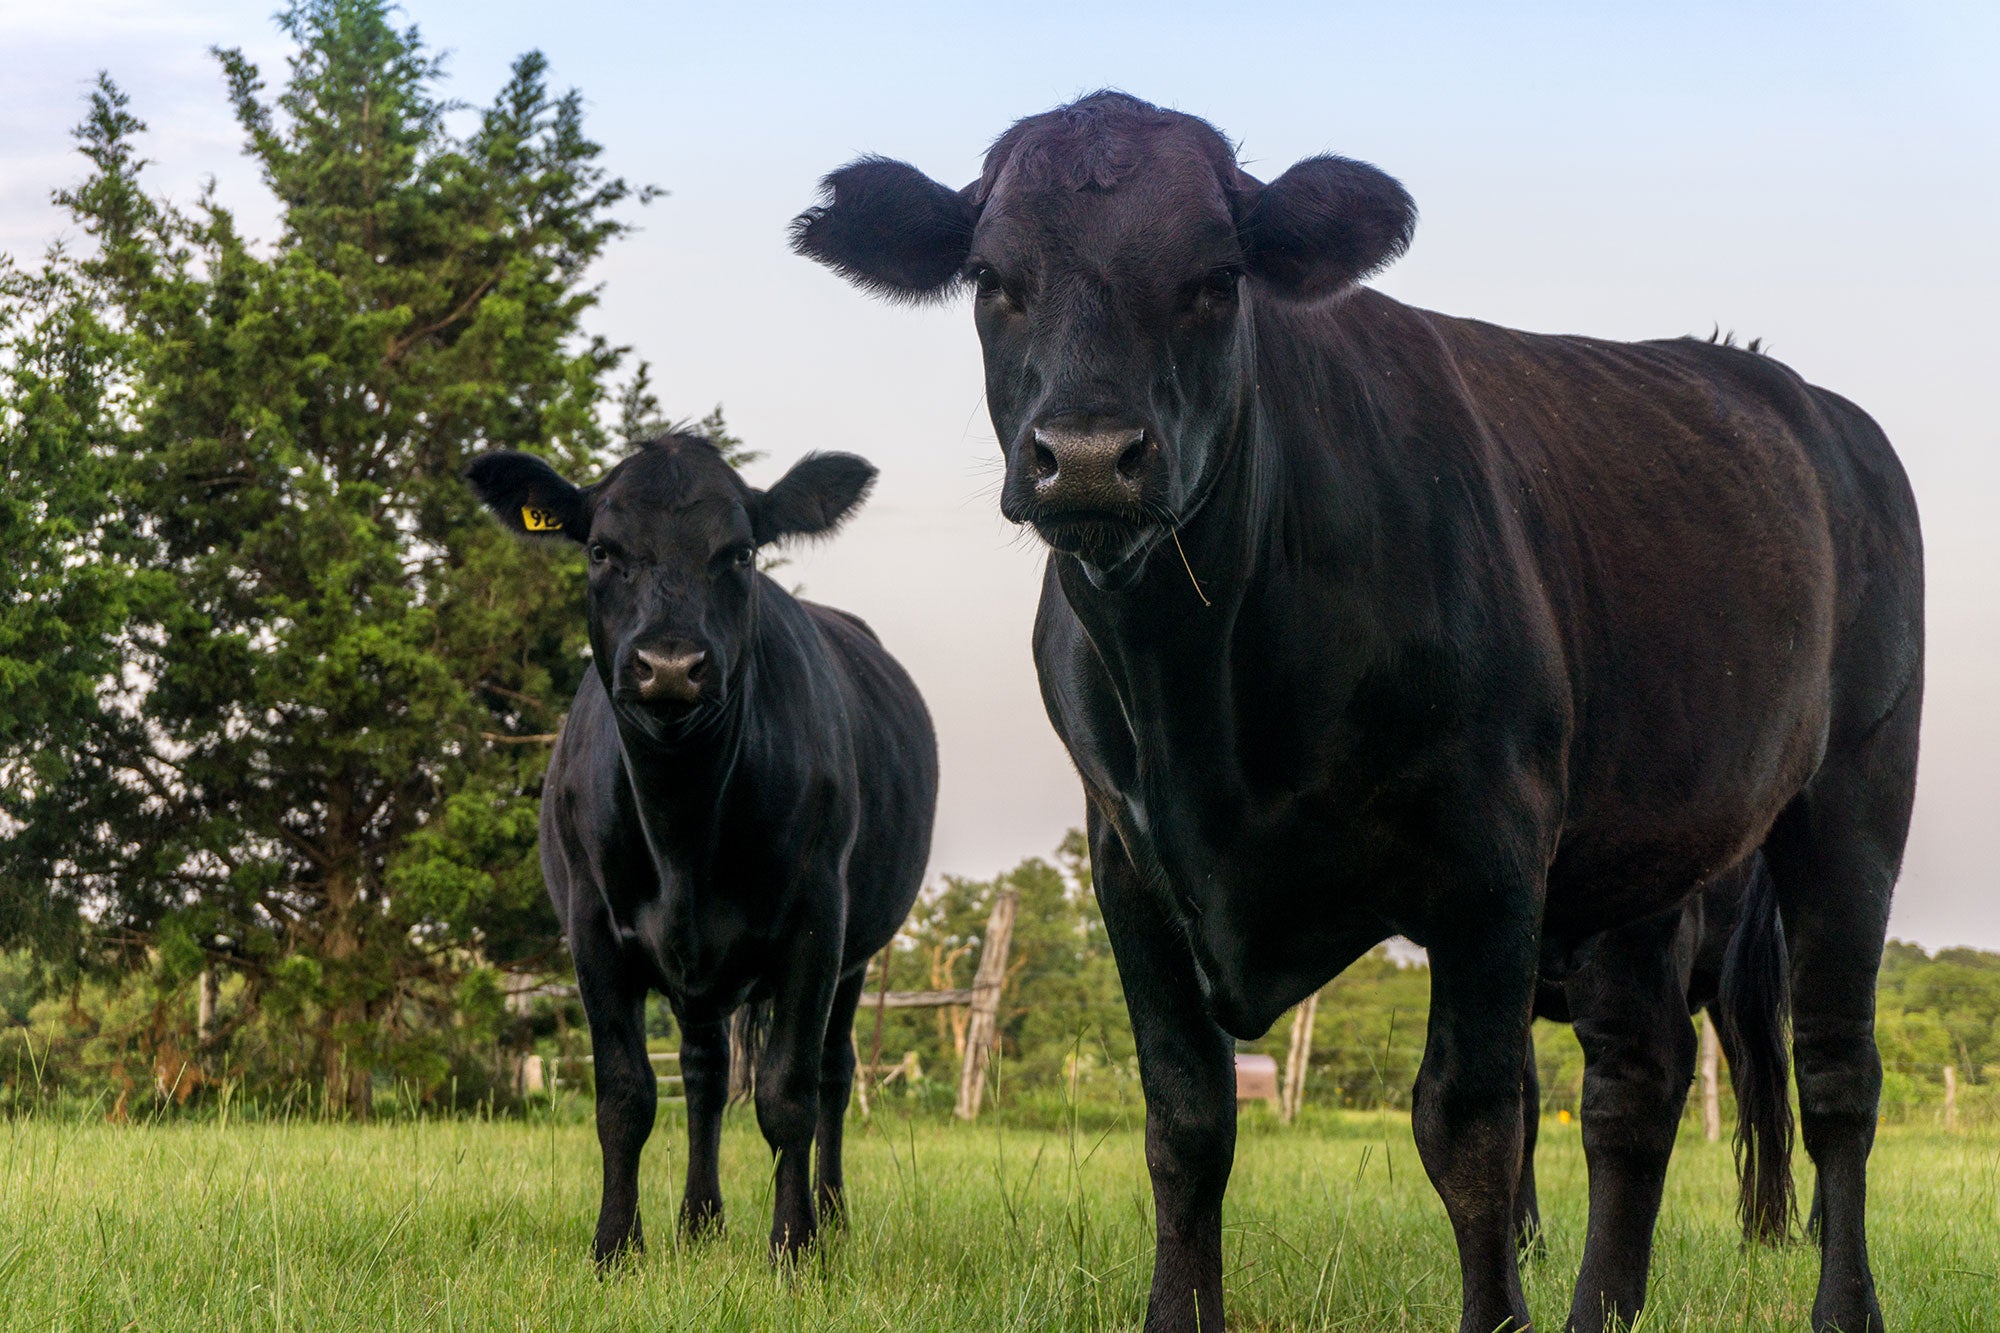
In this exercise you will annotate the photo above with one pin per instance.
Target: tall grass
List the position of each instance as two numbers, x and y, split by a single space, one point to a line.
446 1224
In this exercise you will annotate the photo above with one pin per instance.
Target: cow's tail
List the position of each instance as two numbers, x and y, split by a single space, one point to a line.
1753 1011
748 1027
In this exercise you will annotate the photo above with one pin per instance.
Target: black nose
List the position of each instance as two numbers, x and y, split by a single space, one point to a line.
1088 463
673 672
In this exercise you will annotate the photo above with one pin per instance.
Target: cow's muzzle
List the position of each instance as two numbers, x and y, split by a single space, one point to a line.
1090 466
673 673
1087 485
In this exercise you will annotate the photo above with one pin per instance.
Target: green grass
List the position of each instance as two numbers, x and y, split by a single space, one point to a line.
464 1224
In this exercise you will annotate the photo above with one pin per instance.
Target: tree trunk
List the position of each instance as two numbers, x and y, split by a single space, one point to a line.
208 996
343 1049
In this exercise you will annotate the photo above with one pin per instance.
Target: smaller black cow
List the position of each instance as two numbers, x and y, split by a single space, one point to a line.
738 810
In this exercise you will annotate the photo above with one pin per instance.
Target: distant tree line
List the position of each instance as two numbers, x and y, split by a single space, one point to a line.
129 1039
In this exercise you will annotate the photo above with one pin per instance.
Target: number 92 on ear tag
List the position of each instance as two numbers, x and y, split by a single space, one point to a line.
539 520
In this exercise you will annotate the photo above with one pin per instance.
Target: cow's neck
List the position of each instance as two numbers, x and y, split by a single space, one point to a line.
681 787
1263 604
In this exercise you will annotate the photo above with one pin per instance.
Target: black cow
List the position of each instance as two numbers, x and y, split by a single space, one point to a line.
738 810
1361 619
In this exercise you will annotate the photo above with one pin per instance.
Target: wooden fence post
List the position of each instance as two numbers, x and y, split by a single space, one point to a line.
868 1071
1950 1099
1298 1058
980 1031
1711 1080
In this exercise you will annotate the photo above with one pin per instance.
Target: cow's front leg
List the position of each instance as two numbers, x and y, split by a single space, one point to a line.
788 1075
1187 1070
1467 1108
627 1095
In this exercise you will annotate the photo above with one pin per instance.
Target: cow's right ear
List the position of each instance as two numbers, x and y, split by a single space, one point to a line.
529 496
887 227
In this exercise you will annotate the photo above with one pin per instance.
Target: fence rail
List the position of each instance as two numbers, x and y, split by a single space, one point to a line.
537 1073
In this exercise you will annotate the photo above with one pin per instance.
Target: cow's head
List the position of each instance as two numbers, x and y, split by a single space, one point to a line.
1115 252
672 534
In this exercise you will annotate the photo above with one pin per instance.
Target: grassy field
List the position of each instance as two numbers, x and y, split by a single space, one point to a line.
463 1224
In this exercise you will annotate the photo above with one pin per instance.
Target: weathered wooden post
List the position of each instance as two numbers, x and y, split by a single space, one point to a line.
869 1070
980 1030
1298 1058
1711 1080
1951 1099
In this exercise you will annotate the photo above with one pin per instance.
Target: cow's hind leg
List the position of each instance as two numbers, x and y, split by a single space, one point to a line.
1630 1010
1834 855
705 1081
836 1085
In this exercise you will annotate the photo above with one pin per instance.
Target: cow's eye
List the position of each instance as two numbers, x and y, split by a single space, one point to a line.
742 557
987 285
598 555
1220 284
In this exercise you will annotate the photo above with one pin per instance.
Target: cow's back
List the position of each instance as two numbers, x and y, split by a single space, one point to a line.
1727 556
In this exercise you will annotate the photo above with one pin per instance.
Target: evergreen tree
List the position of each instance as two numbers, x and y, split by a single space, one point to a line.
289 694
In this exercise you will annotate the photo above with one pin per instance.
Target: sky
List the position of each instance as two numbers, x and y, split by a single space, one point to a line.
1824 176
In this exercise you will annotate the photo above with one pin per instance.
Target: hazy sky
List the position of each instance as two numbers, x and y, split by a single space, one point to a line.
1825 176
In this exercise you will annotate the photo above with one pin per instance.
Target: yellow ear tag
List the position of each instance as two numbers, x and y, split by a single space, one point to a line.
539 520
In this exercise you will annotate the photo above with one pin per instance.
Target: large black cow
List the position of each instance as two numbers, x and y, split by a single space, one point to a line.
1361 619
738 810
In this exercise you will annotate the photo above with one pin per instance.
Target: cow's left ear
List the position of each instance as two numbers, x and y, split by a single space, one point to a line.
814 498
1325 225
529 496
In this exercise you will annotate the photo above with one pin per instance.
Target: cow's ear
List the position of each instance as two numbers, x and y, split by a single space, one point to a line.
887 227
1325 225
529 496
814 498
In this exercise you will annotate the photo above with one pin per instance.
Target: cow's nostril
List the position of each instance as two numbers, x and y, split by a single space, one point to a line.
697 666
1133 457
1046 465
